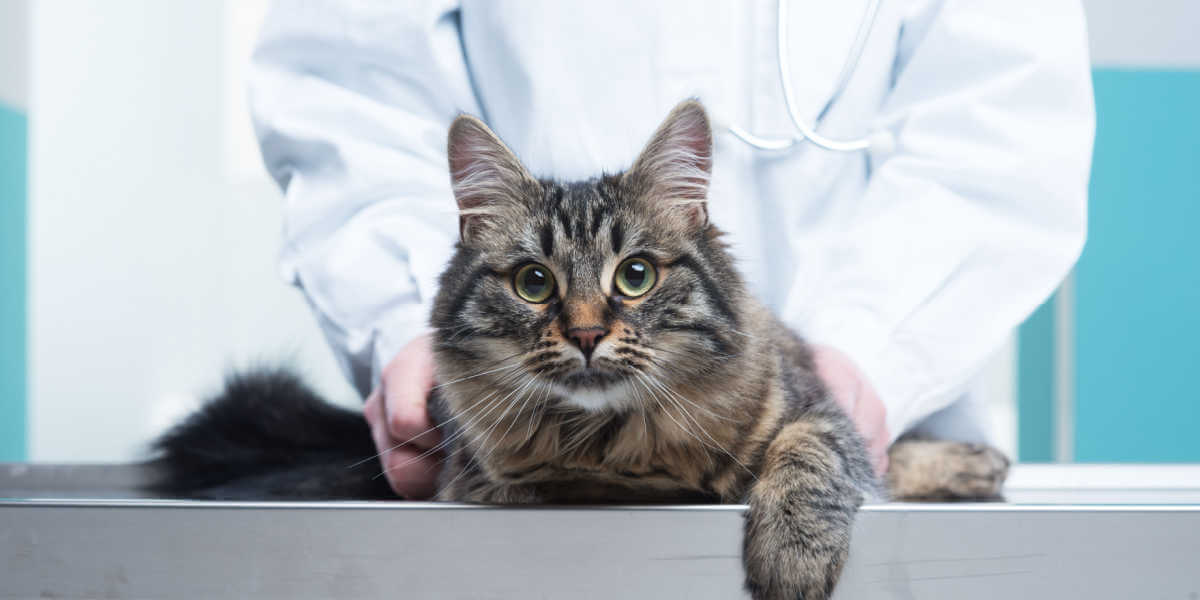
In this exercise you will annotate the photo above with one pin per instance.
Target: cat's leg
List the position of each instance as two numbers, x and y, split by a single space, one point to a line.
505 493
924 469
484 492
801 511
465 482
462 480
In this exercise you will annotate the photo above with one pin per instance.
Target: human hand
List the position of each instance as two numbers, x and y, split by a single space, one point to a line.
397 414
854 393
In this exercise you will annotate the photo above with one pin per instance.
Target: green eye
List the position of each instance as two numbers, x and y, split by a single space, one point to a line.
534 283
635 277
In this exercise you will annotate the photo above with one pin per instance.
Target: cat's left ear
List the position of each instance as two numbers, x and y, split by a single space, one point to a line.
675 167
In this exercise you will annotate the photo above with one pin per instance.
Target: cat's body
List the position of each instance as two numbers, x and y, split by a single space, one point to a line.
595 344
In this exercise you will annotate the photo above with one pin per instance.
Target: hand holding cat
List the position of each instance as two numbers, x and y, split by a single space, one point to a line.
400 426
855 394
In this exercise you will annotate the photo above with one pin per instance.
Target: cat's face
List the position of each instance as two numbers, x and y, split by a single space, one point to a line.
597 293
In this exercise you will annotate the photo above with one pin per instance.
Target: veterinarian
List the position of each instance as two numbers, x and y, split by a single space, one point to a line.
903 181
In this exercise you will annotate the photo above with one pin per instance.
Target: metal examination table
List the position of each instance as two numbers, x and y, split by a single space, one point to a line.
1066 532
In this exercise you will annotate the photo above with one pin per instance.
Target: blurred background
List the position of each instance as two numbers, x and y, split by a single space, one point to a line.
139 232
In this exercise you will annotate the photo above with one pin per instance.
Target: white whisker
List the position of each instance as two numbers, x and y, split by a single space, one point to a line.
715 445
524 399
492 405
461 379
410 440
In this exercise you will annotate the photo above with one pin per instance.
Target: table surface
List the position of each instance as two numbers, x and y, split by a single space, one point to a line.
1065 531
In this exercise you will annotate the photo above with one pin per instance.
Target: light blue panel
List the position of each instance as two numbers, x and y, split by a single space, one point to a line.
12 283
1035 386
1138 282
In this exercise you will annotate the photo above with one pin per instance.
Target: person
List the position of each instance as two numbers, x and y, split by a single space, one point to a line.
907 264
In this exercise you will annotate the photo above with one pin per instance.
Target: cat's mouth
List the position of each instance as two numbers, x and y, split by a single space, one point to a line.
590 377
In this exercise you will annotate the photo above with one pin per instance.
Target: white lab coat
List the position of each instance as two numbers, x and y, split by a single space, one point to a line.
916 260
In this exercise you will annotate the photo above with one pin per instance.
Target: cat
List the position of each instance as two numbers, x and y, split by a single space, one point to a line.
595 343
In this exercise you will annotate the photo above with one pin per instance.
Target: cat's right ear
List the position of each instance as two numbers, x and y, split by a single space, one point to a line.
487 178
674 168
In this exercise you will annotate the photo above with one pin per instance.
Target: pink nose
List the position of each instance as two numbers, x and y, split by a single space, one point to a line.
586 338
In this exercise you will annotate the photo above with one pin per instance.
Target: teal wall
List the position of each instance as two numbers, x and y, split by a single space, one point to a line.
1138 282
12 283
1137 346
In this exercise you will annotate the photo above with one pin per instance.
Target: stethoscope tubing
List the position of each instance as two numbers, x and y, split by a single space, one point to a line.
804 130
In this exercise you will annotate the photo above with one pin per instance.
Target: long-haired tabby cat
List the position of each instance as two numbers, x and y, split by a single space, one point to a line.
594 343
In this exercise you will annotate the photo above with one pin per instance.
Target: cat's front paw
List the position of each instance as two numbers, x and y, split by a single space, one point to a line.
794 556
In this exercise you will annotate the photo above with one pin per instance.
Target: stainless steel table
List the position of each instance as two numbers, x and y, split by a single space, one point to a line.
1066 532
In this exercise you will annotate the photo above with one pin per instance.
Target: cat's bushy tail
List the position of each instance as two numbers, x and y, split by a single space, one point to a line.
267 435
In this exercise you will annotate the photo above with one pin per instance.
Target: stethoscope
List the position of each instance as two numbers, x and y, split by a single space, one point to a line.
877 140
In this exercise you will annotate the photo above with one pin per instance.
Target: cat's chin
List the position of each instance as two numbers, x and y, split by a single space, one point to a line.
595 394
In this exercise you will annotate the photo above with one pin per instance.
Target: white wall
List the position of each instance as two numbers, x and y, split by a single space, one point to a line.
153 229
14 40
1160 33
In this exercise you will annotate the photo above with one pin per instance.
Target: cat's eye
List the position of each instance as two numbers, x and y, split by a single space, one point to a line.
635 276
534 283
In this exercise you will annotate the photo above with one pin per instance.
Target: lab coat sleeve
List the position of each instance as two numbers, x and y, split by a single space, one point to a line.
980 211
351 103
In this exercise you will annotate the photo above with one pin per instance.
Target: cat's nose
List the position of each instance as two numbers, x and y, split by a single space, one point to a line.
586 338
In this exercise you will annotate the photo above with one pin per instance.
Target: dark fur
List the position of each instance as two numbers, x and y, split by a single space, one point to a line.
268 436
